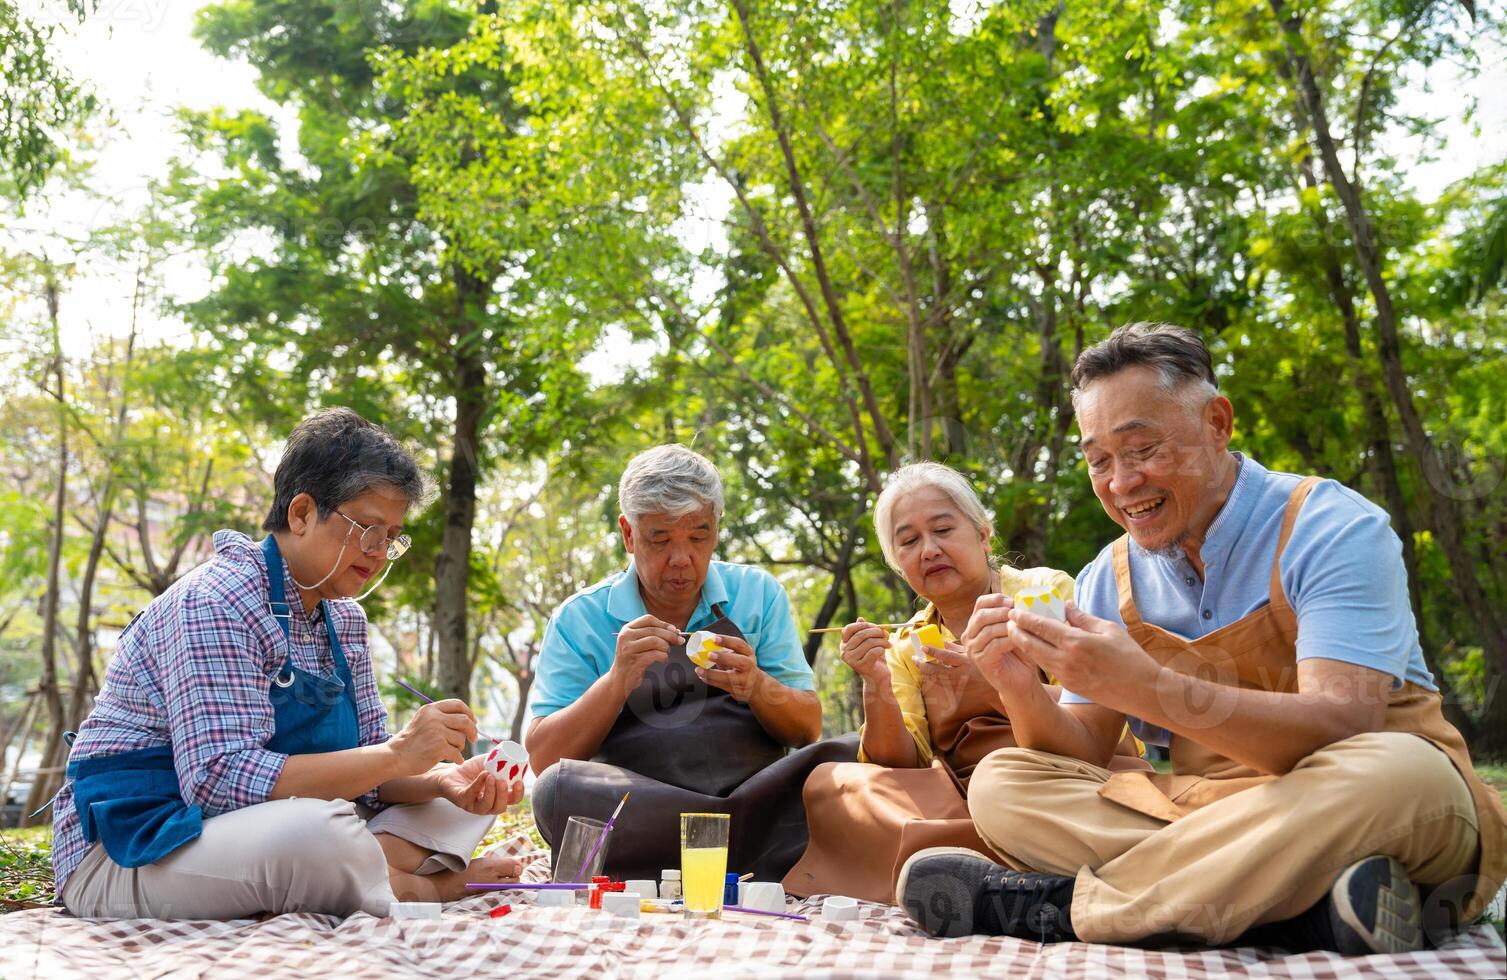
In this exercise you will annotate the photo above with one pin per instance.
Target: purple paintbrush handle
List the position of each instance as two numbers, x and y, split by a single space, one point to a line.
776 915
418 693
541 887
598 845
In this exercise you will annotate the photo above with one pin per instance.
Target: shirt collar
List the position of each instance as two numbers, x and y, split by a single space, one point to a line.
1232 518
625 603
240 547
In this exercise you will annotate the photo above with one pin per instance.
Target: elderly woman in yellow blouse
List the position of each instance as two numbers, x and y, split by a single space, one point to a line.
929 716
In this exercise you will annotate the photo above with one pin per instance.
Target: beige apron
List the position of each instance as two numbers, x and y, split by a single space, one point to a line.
866 820
1259 651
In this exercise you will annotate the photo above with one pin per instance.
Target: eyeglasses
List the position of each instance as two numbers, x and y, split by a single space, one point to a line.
374 539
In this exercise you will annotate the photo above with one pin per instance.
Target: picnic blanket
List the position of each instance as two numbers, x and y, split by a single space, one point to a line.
549 942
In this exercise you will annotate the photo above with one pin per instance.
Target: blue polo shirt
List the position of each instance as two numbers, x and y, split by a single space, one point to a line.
579 646
1342 572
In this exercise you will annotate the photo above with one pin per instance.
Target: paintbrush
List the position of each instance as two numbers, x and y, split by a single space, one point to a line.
776 915
551 886
605 830
415 691
839 629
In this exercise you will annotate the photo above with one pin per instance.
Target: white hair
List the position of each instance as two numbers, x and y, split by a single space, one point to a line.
670 480
918 476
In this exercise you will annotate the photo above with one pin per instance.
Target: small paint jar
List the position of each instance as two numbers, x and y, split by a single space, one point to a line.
644 887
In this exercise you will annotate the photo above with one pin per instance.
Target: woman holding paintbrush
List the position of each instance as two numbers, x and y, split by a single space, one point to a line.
929 715
236 760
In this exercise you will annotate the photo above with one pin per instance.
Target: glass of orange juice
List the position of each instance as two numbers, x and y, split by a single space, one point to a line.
703 863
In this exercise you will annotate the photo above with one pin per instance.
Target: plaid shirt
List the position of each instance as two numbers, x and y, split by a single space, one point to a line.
193 671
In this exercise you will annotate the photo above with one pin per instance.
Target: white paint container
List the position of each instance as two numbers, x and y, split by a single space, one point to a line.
556 899
840 908
644 887
766 896
415 910
623 905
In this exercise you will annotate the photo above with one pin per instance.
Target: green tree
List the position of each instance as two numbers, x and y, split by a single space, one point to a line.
374 290
41 98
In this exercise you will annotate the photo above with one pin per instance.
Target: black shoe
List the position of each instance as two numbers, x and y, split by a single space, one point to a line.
952 891
1372 907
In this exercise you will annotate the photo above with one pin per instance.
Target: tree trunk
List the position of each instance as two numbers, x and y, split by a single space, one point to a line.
947 400
840 570
28 721
1445 507
828 291
85 684
43 786
1491 732
453 568
1050 422
525 679
1381 461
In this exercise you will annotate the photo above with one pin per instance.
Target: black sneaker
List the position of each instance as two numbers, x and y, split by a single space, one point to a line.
1372 907
952 891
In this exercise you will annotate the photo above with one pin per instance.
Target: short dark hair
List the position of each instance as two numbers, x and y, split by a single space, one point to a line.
336 456
1175 353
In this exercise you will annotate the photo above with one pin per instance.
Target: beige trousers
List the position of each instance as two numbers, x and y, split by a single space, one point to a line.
1261 855
296 855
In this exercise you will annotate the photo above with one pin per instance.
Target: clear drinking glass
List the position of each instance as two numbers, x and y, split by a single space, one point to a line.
703 863
581 835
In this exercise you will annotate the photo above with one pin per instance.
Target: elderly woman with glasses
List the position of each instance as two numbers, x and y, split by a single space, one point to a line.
236 760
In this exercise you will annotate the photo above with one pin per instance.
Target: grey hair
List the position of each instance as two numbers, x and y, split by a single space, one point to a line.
1179 357
915 477
670 480
336 456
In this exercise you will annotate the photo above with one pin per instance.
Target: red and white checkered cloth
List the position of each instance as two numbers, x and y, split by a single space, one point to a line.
541 942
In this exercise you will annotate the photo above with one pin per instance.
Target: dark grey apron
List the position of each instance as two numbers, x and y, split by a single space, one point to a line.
678 730
680 746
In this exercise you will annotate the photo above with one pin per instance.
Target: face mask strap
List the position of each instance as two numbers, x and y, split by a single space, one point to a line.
311 588
375 585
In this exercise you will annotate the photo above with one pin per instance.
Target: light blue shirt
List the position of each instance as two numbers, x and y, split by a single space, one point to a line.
1342 573
579 645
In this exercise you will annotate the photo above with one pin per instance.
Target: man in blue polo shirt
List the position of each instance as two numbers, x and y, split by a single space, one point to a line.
618 706
1258 624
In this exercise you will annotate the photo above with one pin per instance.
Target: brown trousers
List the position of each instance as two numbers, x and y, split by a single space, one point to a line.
1260 855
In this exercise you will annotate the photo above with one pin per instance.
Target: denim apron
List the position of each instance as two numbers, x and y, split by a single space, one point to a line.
130 802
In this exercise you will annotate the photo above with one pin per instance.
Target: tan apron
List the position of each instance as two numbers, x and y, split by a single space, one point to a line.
1259 651
866 820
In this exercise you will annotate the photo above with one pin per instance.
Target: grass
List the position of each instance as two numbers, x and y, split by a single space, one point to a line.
518 820
1495 775
25 868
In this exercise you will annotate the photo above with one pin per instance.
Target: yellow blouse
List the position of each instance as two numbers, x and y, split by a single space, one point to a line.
905 674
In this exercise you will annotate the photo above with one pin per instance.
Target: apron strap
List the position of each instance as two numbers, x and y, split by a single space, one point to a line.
1295 500
277 604
1128 613
341 667
283 613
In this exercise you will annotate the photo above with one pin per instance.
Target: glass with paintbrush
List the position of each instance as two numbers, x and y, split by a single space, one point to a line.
583 850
